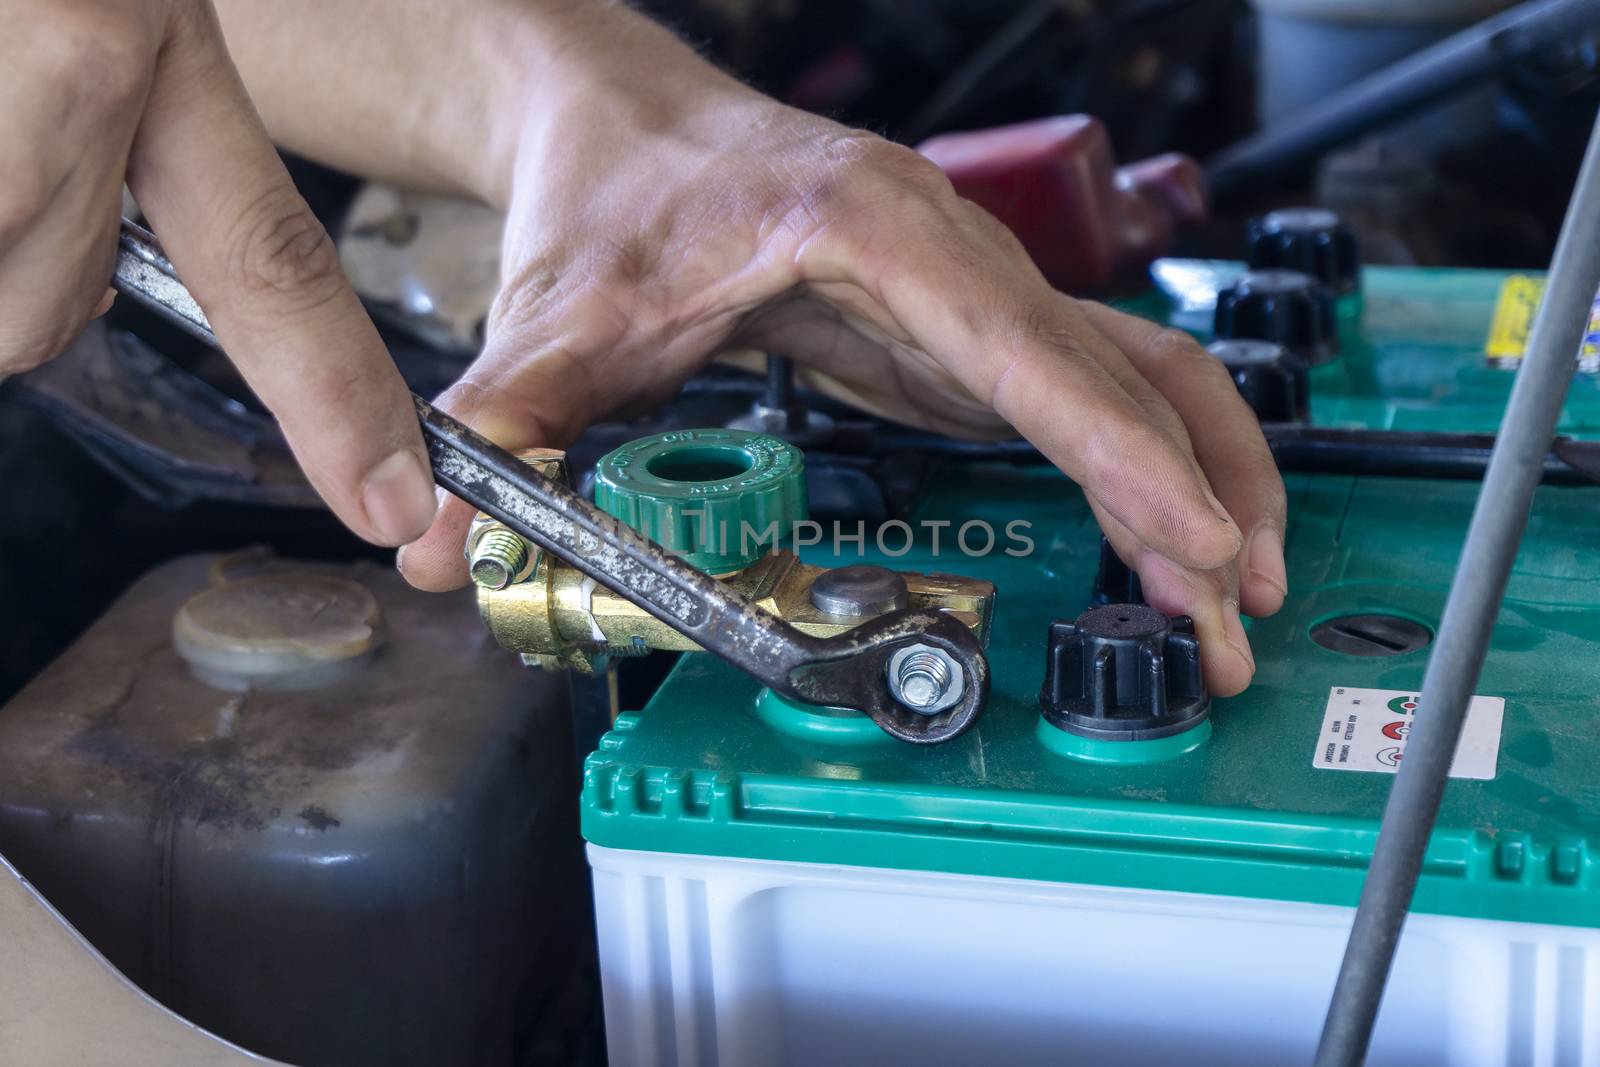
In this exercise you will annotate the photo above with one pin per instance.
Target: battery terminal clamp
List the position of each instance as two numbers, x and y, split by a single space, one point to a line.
725 501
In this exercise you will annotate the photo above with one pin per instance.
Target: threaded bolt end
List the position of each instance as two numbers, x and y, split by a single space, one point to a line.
497 558
923 678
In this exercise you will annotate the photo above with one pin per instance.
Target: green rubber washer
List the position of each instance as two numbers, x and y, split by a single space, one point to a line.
718 498
1091 750
810 722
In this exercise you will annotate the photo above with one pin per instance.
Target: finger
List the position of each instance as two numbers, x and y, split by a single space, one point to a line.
268 278
78 74
435 562
517 397
1045 380
968 295
1227 443
559 355
53 278
1210 598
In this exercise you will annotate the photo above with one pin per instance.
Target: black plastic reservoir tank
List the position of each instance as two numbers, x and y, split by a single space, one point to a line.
315 811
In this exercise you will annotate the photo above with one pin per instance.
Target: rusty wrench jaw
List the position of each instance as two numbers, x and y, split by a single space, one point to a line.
864 654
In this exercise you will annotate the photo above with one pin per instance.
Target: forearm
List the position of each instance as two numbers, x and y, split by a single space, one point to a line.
440 95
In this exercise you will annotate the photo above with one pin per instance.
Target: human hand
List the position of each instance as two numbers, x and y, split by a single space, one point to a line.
662 213
99 92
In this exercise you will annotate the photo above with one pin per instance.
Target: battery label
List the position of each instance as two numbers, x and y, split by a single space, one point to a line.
1514 311
1366 730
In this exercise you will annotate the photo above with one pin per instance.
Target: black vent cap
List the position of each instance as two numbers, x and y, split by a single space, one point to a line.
1282 306
1311 240
1124 672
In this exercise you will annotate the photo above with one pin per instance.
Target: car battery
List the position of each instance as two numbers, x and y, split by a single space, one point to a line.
776 885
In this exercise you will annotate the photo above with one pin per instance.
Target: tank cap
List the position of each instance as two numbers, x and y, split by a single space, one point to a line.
719 498
289 630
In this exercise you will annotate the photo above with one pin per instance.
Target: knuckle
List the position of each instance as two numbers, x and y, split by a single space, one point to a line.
33 349
279 249
992 231
632 259
1171 346
866 162
1040 325
536 288
98 59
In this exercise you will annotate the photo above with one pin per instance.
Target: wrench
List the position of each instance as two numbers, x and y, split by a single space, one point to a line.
848 670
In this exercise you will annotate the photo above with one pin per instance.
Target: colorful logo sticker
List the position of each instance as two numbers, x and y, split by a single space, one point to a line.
1404 705
1368 730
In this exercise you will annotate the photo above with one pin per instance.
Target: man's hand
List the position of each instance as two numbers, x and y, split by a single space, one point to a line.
659 212
101 91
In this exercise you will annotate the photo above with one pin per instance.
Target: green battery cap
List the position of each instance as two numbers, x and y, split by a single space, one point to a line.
719 498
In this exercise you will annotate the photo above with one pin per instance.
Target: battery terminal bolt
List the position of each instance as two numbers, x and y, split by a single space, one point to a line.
498 556
924 679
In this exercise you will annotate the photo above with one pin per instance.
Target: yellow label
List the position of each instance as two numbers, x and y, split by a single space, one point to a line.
1513 316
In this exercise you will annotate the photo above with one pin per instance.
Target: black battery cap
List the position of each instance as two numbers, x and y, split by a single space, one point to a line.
1311 240
1285 307
1275 385
1124 672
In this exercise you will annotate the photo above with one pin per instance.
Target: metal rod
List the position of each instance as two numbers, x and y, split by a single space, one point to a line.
780 382
1498 521
1420 79
780 391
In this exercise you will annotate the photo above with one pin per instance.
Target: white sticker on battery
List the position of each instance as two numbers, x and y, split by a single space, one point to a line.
1366 730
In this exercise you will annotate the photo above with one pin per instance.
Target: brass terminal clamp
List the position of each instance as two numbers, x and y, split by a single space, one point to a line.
724 500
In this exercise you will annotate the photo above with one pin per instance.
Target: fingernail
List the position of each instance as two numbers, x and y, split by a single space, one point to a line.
398 496
1266 560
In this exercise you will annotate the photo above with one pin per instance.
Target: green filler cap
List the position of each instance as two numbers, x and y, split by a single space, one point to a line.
718 498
